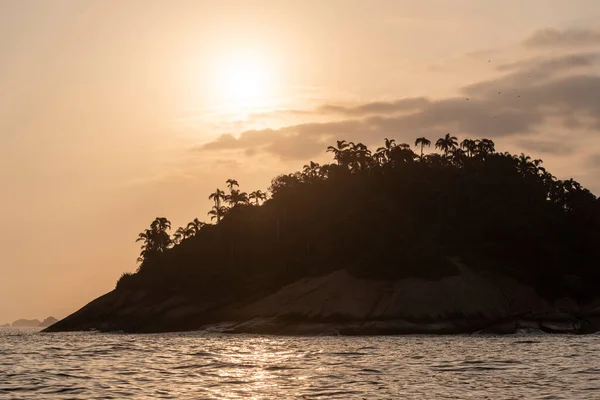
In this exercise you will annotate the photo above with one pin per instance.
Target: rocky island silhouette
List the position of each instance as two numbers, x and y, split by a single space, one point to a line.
394 241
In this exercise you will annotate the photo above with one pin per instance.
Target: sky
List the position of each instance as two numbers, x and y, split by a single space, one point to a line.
113 113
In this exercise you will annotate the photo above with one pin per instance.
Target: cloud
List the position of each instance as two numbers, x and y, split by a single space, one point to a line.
546 66
552 37
481 54
593 161
380 107
531 72
530 94
547 146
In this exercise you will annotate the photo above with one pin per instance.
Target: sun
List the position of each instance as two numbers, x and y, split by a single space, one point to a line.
233 81
244 82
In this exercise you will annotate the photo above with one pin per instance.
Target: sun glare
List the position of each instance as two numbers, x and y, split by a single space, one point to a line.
244 83
233 81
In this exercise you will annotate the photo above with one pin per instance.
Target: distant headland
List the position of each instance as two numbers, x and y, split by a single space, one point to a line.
397 240
31 323
26 323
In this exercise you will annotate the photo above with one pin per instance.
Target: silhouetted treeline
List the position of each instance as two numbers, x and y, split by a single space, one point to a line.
385 214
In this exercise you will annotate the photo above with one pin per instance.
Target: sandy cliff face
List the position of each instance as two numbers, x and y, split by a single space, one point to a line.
342 303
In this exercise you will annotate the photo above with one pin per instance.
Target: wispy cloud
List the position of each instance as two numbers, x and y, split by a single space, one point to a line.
568 38
531 93
379 107
553 147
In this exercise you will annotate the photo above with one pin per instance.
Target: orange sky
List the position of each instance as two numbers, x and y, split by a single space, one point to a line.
113 113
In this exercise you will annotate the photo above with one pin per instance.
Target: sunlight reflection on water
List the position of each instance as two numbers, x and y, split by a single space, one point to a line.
212 366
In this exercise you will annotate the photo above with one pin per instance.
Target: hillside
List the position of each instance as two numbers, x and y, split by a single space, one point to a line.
393 216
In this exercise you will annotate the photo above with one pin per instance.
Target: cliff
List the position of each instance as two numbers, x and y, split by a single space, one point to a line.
339 303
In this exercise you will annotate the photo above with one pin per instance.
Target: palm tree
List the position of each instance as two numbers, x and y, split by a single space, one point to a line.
524 164
458 156
145 237
485 147
340 153
538 166
359 156
193 227
217 213
470 146
402 154
311 170
179 235
257 196
217 196
237 197
383 153
161 224
447 143
389 144
423 142
143 256
156 239
231 183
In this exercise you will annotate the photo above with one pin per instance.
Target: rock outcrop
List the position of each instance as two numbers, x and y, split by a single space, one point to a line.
339 303
26 323
47 322
465 303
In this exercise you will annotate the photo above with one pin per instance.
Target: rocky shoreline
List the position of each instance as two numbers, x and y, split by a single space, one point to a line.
341 304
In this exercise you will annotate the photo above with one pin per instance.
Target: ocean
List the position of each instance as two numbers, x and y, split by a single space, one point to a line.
201 365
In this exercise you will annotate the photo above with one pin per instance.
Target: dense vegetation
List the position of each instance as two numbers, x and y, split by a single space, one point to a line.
388 214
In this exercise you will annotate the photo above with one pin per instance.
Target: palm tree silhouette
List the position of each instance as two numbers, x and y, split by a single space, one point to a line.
231 183
525 165
179 235
311 170
423 142
470 146
458 156
382 154
217 196
257 196
217 213
485 147
146 237
237 197
446 144
340 152
193 227
156 239
359 156
161 224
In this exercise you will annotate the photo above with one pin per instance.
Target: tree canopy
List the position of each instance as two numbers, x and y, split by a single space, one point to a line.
385 215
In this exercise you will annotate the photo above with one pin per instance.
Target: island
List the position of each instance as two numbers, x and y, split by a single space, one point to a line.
399 240
47 322
26 323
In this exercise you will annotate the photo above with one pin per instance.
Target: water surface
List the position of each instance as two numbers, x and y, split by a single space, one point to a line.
213 366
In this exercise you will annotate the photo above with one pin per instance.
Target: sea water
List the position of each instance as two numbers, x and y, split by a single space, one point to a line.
202 365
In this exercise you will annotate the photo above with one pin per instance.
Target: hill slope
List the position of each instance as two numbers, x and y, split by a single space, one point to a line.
396 222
